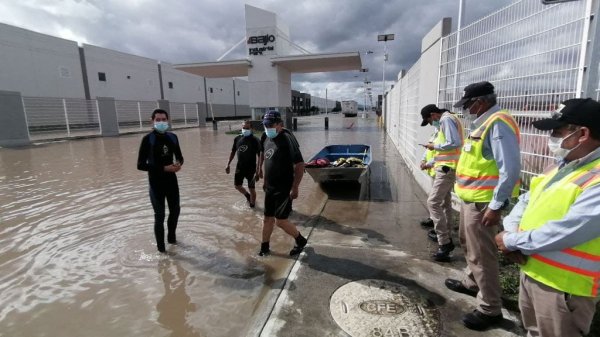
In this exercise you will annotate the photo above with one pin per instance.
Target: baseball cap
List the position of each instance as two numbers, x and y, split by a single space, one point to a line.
427 110
475 90
576 111
271 117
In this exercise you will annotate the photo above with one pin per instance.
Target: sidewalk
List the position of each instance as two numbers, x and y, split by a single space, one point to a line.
366 270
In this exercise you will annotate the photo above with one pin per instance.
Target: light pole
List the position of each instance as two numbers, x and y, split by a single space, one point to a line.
365 70
326 101
384 38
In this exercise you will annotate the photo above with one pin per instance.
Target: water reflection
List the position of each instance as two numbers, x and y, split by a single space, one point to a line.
176 305
77 251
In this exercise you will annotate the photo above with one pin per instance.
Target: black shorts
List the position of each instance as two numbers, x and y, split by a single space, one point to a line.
278 204
239 177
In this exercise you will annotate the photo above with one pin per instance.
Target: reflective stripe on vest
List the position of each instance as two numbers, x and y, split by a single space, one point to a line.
574 270
476 176
448 157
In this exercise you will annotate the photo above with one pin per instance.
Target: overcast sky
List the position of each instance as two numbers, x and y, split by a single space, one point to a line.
184 31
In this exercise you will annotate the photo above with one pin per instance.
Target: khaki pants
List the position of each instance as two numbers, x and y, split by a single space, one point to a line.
548 312
440 203
480 250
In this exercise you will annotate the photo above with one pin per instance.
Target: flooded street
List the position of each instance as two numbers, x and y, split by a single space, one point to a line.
77 250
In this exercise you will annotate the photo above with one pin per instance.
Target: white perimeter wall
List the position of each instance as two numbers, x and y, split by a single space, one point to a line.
39 65
143 83
187 88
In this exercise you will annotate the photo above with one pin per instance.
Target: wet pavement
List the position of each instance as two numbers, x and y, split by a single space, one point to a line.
77 252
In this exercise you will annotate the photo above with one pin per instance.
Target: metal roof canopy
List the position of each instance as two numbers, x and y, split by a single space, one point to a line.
314 63
233 68
311 63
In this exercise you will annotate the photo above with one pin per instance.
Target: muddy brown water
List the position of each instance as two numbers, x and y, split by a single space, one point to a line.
77 251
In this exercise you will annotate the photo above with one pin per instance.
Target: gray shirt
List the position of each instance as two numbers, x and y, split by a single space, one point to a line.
579 225
501 144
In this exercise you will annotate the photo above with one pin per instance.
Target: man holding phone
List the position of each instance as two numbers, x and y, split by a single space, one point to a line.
446 151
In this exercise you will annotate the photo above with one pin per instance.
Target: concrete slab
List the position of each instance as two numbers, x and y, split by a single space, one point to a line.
369 233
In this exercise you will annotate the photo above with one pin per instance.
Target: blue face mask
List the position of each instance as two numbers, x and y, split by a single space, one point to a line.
161 126
246 132
271 132
436 124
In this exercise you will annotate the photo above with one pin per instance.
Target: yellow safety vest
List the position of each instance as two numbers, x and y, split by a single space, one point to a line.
574 270
476 176
449 157
429 154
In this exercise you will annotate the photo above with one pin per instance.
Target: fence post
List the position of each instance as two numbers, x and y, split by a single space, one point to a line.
14 118
184 116
64 101
107 114
591 78
201 111
140 115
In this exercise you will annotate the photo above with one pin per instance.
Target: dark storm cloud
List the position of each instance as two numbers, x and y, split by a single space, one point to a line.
199 31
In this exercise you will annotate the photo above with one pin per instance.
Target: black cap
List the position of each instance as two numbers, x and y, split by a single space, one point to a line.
271 117
475 90
427 110
576 111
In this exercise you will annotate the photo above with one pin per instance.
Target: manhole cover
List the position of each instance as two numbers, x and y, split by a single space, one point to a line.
377 308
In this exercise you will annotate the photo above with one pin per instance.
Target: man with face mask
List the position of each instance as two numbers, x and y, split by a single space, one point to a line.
554 229
248 149
161 157
446 151
487 176
284 168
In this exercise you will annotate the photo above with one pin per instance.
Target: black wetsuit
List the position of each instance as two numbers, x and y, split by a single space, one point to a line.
281 154
157 151
247 148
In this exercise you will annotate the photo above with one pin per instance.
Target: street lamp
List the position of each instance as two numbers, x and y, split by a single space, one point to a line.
384 38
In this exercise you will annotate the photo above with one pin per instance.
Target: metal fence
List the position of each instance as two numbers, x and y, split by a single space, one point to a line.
55 118
134 115
61 117
404 97
534 54
183 114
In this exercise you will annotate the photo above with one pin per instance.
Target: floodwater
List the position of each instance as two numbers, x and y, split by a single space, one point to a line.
77 250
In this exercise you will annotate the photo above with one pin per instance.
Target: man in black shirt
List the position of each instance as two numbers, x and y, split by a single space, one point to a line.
248 150
284 167
161 156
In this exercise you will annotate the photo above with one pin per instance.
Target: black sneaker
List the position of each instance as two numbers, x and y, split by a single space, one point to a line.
427 223
443 252
161 248
459 287
431 235
299 247
479 321
264 249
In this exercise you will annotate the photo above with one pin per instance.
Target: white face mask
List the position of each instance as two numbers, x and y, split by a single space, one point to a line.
555 146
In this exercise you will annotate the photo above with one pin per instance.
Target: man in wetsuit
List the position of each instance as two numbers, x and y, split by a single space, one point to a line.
248 149
284 167
161 156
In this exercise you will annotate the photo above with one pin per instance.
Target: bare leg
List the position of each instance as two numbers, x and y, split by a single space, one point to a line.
268 225
252 195
288 227
241 189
